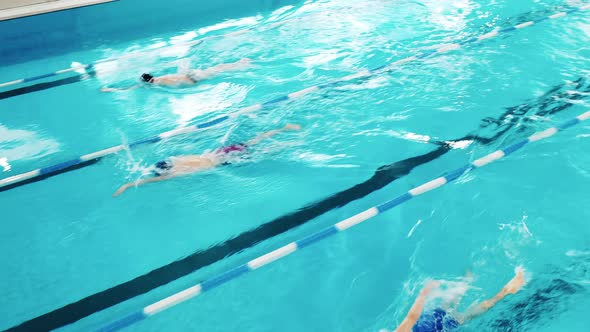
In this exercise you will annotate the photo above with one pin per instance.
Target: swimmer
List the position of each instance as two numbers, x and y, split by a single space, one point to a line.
188 78
189 164
440 319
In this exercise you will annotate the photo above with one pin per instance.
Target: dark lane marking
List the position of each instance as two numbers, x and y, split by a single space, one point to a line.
43 86
168 273
541 306
384 175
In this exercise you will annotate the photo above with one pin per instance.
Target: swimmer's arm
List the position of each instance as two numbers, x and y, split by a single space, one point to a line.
272 133
141 182
479 308
416 309
513 286
107 89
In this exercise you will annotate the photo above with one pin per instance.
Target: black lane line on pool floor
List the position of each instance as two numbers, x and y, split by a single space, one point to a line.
45 85
547 104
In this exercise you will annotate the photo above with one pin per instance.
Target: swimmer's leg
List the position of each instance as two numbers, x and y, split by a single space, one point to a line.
218 69
511 287
272 133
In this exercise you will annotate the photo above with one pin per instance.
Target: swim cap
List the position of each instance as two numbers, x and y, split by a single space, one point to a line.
147 77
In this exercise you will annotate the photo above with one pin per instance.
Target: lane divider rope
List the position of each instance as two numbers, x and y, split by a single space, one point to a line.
341 226
291 96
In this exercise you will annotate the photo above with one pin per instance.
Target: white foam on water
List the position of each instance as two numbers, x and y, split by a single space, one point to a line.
275 15
374 82
17 144
409 136
215 98
324 160
575 92
577 253
230 24
183 65
78 67
5 165
187 36
450 291
416 137
460 144
411 232
176 51
323 57
157 45
516 236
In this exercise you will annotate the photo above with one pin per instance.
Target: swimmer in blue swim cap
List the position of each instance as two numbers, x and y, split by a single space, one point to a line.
442 318
189 164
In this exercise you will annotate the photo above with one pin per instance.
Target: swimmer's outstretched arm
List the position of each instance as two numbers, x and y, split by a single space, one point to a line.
271 133
511 287
141 182
416 309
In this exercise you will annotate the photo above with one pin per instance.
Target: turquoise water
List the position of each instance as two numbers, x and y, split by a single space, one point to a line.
66 238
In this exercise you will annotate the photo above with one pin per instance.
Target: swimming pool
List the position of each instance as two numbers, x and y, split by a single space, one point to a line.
67 239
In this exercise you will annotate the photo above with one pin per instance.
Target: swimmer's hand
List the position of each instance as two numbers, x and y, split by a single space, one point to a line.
291 126
122 189
105 89
142 182
516 283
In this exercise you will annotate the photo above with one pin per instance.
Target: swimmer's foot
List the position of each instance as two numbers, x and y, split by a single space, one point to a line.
516 283
291 126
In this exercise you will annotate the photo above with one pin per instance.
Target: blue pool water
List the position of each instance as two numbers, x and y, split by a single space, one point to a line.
65 238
